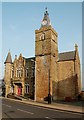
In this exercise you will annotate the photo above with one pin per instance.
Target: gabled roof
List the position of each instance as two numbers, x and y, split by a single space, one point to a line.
67 56
8 59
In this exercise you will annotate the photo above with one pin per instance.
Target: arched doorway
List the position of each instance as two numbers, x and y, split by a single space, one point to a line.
18 88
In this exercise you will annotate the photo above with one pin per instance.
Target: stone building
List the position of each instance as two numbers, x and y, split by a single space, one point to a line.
49 72
19 76
57 74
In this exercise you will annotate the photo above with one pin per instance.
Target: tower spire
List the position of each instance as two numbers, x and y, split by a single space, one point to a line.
8 58
46 19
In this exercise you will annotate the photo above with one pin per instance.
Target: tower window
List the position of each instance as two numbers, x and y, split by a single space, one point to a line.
42 37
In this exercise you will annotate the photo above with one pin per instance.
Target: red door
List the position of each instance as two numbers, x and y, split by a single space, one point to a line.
19 91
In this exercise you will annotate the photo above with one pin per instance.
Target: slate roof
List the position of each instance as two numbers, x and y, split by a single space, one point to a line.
30 62
67 56
29 59
8 59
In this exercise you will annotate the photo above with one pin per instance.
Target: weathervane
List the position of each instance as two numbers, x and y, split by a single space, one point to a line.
46 11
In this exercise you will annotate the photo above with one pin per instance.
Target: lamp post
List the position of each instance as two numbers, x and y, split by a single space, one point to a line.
49 95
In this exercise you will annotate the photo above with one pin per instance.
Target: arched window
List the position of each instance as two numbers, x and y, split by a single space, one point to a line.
26 88
33 71
42 37
19 72
26 72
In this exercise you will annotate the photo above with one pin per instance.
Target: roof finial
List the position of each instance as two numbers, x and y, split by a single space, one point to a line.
8 58
15 56
46 11
76 47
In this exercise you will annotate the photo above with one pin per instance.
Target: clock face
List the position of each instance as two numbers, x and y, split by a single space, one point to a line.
44 22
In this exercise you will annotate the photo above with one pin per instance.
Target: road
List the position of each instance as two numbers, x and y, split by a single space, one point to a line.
15 109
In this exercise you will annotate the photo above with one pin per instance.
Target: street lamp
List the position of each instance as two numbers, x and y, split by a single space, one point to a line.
49 95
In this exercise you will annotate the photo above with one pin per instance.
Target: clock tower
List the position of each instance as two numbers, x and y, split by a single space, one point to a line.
46 53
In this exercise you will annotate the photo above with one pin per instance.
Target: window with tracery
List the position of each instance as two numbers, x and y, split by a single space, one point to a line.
19 72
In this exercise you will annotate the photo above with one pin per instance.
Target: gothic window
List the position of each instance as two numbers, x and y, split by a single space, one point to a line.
12 72
15 72
42 37
19 72
26 88
33 71
26 72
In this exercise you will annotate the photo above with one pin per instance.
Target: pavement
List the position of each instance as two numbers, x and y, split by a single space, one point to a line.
53 105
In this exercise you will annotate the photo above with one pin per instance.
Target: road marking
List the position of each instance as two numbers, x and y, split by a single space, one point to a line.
58 110
25 111
49 118
42 107
7 105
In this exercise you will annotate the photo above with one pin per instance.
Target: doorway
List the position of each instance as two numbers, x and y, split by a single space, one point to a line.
19 90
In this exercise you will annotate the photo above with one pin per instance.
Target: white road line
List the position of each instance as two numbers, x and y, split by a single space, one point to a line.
42 107
58 110
49 118
6 105
25 111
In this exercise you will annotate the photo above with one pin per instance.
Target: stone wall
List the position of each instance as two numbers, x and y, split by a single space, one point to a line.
67 86
42 77
46 52
7 77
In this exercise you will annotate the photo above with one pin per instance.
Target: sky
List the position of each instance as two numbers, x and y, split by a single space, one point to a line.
41 0
21 19
83 44
0 39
